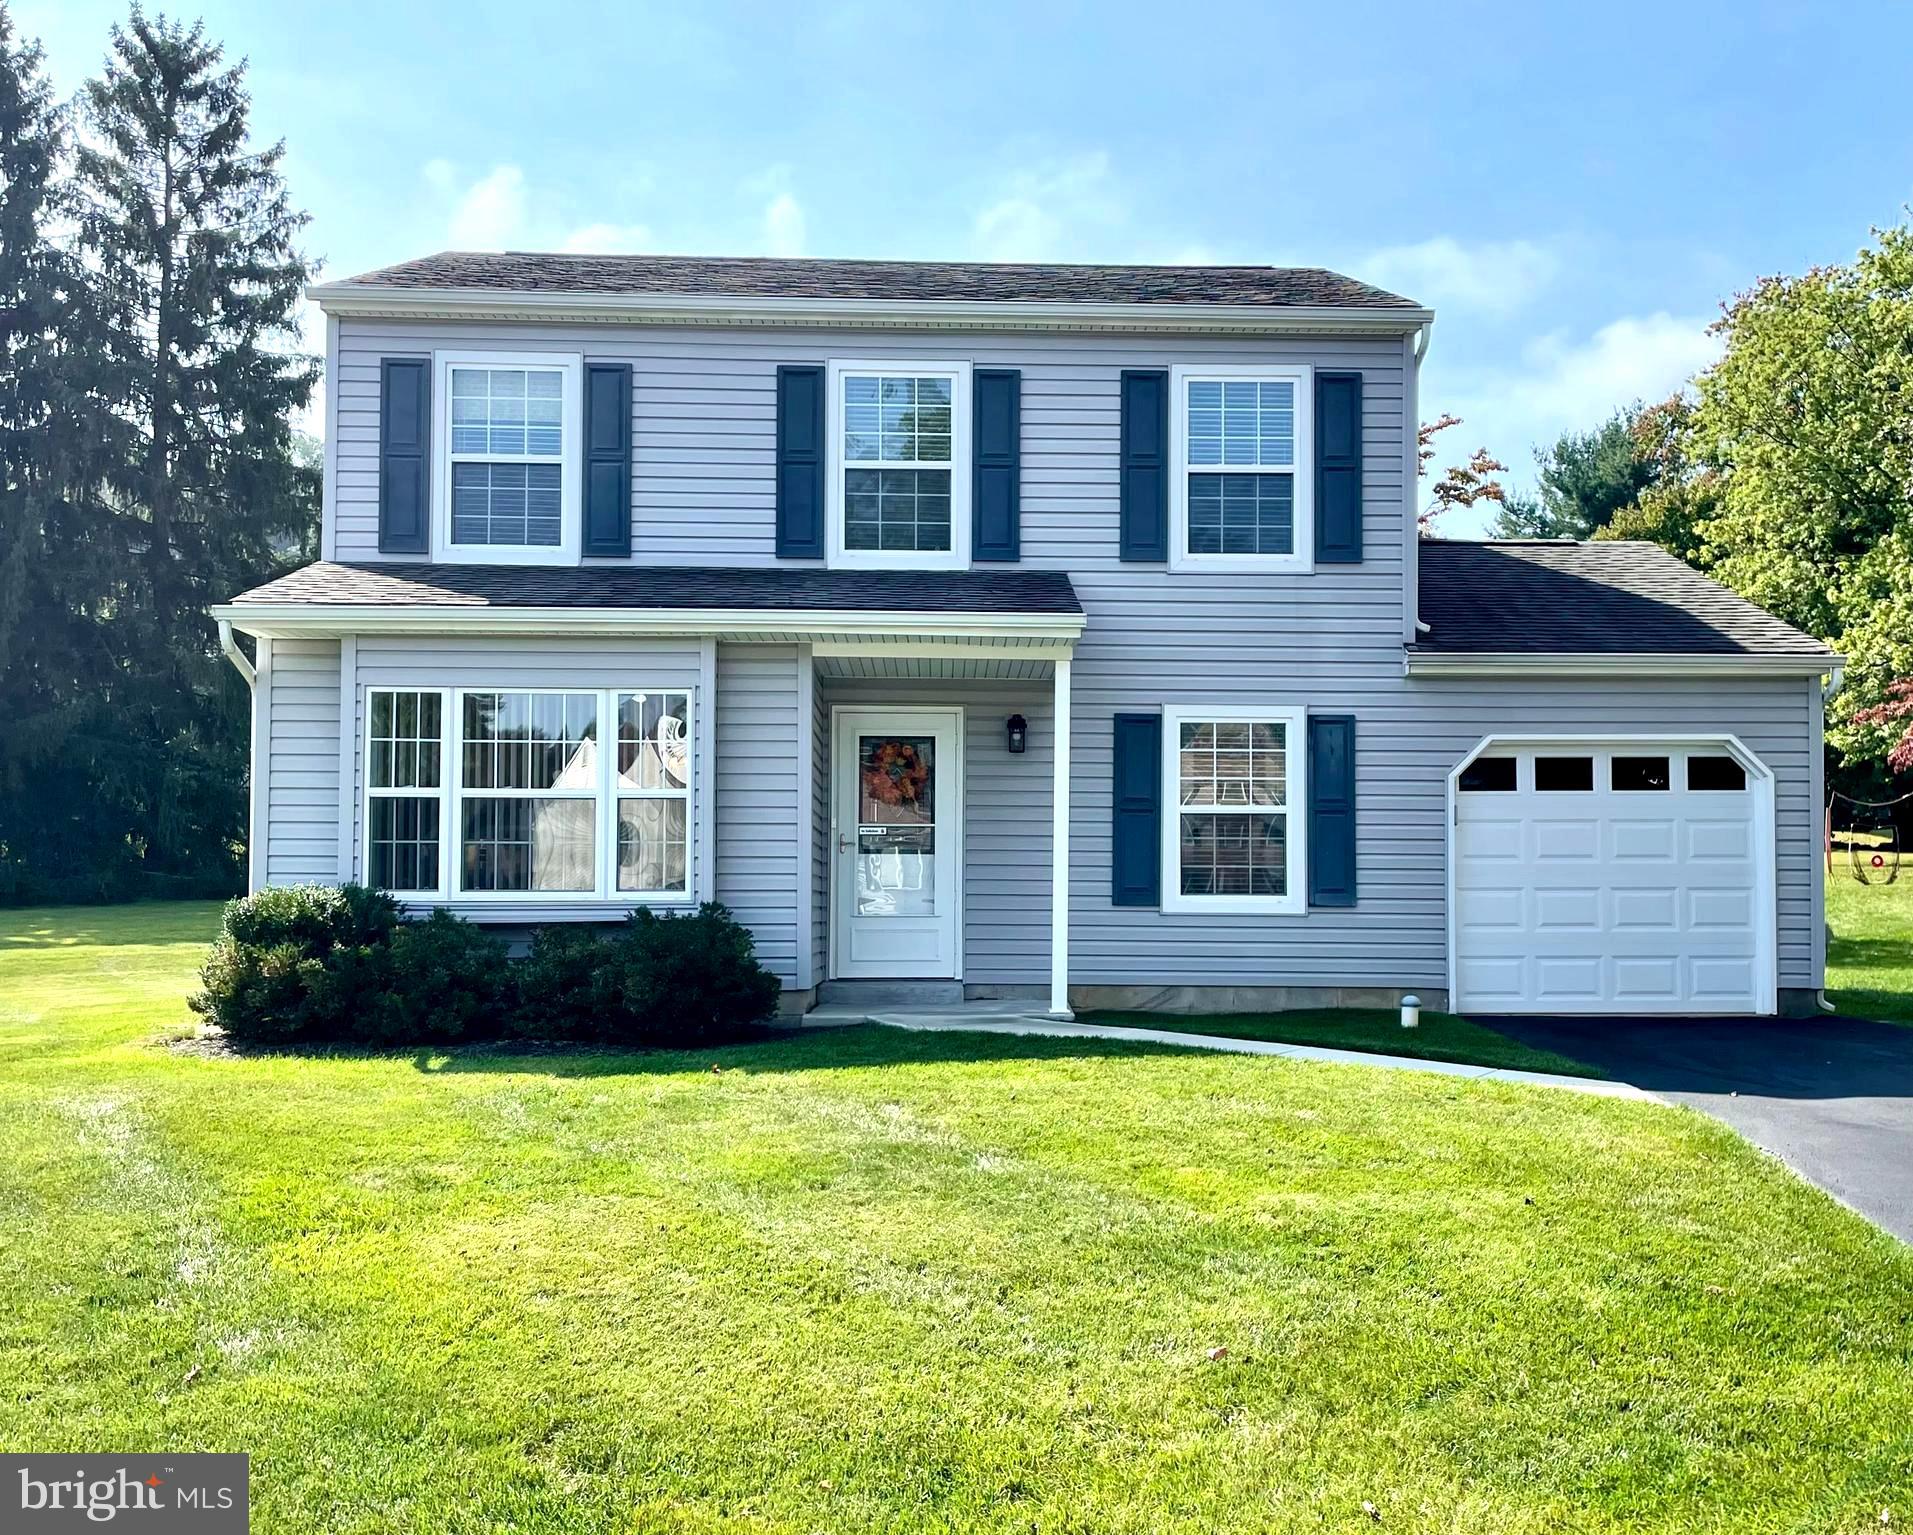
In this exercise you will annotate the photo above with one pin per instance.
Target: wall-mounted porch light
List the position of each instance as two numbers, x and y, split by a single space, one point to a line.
1019 732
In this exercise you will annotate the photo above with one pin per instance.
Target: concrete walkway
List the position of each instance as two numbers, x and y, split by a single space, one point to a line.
1014 1018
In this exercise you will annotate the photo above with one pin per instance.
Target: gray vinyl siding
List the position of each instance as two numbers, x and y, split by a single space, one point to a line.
1329 639
299 765
1006 816
760 849
704 406
1409 734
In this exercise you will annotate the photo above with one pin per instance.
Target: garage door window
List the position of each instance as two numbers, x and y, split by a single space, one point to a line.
1640 775
1488 775
1716 775
1564 775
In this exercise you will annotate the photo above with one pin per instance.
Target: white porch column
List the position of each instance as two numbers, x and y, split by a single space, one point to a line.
1059 849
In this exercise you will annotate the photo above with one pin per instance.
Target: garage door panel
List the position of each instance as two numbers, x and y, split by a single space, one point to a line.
1712 841
1604 900
1646 909
1641 840
1575 909
1560 840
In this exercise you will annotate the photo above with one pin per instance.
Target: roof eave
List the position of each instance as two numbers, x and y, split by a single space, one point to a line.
374 301
290 620
1626 664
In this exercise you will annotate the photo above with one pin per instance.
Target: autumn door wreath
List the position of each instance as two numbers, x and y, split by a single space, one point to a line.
896 774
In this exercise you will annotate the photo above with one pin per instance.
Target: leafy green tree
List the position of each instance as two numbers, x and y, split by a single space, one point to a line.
1682 493
1808 421
1586 477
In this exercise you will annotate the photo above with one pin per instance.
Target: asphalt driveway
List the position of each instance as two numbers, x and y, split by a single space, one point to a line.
1832 1097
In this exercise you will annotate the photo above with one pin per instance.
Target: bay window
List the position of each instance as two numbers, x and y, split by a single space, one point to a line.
489 794
900 465
508 447
1232 841
1241 495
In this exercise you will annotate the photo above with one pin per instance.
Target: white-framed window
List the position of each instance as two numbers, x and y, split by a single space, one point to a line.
1242 485
899 465
508 471
1233 838
489 794
405 790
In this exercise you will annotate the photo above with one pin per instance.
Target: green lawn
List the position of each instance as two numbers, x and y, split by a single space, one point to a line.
867 1280
1440 1037
1870 960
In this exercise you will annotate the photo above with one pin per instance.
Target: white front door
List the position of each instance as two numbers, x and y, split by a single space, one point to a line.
896 842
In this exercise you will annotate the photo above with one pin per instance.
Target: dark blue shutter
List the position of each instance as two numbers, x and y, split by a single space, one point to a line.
1136 834
800 461
405 436
997 447
1331 810
607 458
1145 464
1338 468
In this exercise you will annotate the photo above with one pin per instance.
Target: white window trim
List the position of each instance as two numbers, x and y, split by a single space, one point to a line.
1294 806
571 461
367 793
837 557
605 793
1303 377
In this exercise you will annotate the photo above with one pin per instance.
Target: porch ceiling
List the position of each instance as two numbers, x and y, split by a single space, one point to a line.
945 668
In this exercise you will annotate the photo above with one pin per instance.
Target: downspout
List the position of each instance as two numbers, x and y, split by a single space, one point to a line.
229 647
1829 690
1423 333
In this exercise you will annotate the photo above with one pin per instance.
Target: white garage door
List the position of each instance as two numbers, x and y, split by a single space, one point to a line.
1628 877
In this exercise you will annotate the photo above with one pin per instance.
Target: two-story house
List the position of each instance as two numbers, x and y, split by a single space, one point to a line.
1058 632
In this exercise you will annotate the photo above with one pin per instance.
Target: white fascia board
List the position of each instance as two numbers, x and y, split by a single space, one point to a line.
376 301
1620 665
283 619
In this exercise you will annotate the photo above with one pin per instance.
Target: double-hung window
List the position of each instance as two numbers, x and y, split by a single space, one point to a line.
900 465
1241 444
483 794
508 436
1233 840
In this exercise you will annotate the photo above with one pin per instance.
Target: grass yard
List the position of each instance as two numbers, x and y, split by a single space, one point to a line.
1440 1036
867 1280
1870 958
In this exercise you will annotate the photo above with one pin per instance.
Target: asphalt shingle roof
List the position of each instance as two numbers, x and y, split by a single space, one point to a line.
798 588
1599 598
770 277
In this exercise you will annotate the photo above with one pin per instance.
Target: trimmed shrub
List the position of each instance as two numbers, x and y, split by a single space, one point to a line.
564 985
296 963
443 980
686 980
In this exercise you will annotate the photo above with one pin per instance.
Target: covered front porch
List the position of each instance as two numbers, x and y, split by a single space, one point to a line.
940 801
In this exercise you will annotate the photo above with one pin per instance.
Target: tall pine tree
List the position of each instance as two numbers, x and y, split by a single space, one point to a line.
194 273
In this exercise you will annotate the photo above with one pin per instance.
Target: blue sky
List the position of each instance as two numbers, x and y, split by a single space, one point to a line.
1574 188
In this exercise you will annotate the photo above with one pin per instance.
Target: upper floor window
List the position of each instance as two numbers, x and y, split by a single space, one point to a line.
1241 493
900 449
509 464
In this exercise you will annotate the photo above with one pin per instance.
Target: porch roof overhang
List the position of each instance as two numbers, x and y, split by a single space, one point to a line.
973 612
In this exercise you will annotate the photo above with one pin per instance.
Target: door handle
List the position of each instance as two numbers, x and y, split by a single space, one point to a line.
843 843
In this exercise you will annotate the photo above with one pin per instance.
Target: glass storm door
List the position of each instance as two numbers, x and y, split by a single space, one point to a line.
896 851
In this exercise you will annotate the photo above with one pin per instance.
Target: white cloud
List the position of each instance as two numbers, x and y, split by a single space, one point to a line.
784 225
1560 383
609 240
490 213
1496 277
1054 210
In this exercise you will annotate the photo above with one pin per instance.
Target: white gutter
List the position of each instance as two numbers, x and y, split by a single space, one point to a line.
1518 664
229 647
377 300
310 618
